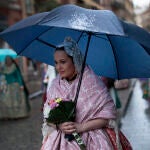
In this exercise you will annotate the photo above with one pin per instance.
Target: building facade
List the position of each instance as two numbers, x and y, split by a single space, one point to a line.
11 11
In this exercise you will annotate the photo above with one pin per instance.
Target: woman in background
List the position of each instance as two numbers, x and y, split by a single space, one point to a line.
14 101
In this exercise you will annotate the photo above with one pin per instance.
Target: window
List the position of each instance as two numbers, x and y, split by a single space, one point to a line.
29 6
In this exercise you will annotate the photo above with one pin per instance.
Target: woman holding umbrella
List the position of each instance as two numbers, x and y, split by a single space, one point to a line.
95 109
14 102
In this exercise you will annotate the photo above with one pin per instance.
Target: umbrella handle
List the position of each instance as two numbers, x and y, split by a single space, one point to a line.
83 66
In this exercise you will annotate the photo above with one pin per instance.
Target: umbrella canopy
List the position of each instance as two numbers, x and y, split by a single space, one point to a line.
7 52
115 49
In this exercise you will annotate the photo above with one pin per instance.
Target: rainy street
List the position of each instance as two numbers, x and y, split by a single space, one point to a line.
23 134
112 37
136 123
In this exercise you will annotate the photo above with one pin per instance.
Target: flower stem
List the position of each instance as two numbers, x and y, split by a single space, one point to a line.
79 141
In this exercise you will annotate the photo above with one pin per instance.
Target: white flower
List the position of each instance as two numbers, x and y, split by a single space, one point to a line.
46 111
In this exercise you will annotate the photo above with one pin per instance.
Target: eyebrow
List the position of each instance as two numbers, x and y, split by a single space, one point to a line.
63 59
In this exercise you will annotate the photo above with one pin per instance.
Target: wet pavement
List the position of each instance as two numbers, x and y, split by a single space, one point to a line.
136 122
23 134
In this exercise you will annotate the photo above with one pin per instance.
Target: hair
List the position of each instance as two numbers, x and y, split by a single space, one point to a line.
60 48
63 49
9 57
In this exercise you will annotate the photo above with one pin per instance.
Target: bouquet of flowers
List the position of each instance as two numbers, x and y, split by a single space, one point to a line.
60 110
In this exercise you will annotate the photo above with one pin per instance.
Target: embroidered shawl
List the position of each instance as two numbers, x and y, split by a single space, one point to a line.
93 102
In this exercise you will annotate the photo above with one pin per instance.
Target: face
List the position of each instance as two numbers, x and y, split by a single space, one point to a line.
64 64
8 61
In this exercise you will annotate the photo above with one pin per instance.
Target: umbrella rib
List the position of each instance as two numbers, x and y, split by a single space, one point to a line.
114 53
46 43
33 40
80 36
41 21
101 37
146 49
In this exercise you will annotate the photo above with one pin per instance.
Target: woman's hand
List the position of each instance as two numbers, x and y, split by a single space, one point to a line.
70 127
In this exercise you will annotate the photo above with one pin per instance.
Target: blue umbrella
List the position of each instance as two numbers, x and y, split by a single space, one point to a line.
7 52
112 47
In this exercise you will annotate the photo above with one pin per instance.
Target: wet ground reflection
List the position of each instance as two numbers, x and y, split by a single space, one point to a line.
136 123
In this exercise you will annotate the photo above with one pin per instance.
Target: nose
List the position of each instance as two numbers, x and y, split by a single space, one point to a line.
58 67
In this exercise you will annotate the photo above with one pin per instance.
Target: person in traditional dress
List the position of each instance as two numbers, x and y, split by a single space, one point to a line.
95 109
14 100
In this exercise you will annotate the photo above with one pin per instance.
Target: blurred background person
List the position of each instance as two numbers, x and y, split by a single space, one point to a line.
111 87
14 101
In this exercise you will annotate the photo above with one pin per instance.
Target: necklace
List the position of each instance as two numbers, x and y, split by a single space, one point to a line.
73 78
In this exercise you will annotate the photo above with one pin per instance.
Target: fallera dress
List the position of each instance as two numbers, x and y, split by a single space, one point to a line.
14 102
94 102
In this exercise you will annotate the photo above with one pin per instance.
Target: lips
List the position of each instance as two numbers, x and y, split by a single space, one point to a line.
61 72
